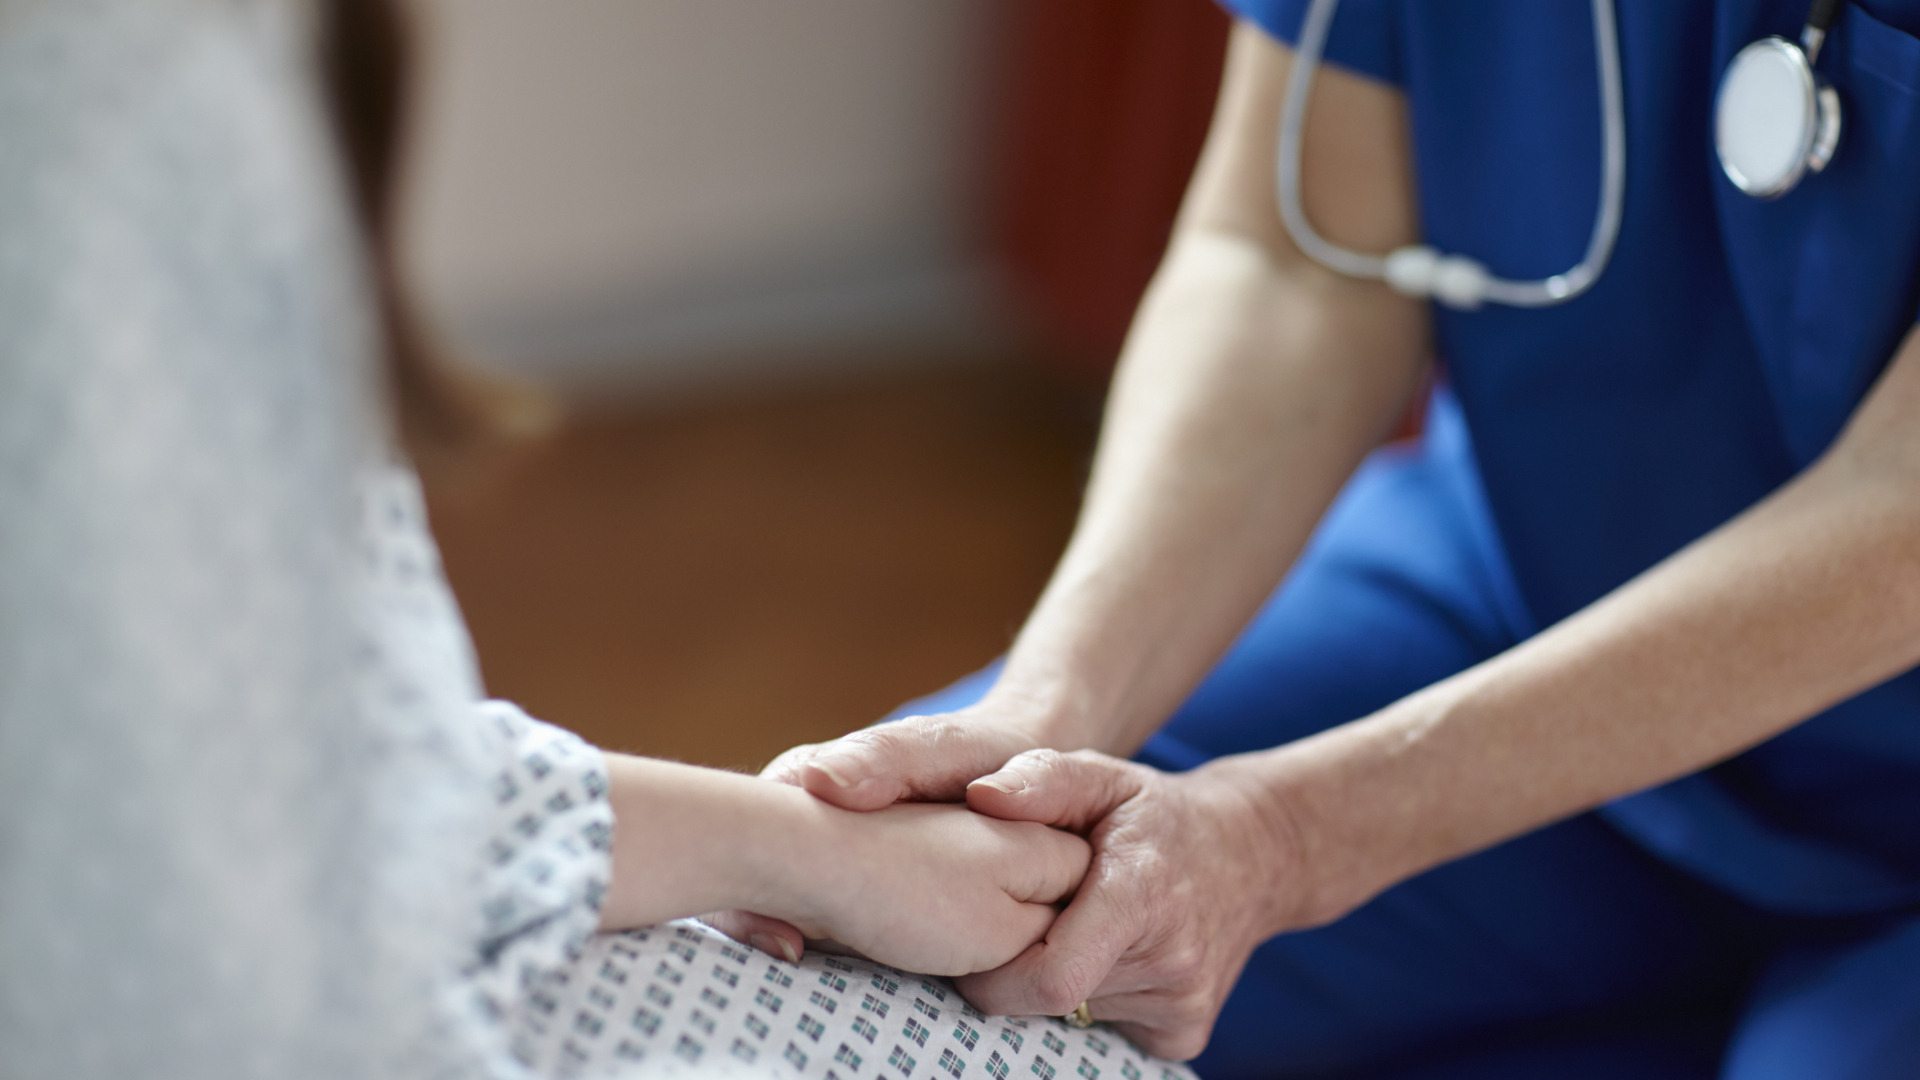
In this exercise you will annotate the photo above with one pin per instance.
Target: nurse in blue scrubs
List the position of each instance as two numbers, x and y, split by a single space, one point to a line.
1577 738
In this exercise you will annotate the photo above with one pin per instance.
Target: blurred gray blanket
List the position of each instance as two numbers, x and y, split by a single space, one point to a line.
237 822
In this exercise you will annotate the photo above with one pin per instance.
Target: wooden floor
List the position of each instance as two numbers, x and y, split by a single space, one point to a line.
720 582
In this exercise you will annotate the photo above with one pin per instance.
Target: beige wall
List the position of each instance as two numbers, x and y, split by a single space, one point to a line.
653 191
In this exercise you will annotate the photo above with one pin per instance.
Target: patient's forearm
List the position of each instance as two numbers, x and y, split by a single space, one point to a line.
689 840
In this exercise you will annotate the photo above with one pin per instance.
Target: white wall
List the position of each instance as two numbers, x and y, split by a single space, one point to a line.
648 192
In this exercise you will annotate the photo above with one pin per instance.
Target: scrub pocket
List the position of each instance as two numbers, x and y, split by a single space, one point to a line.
1828 273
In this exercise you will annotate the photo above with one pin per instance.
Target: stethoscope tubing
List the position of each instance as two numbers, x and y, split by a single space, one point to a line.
1539 293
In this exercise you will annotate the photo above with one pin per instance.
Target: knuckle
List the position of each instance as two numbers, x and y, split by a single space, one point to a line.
1053 999
935 737
1191 1012
1041 760
949 732
879 739
1061 987
1182 962
882 744
786 767
1055 1002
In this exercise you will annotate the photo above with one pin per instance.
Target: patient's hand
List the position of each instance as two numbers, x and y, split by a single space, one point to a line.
932 888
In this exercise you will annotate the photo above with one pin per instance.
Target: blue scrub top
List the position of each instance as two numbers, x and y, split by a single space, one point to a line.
1720 353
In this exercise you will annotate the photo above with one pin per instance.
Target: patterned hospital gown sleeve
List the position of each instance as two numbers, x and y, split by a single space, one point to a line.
546 865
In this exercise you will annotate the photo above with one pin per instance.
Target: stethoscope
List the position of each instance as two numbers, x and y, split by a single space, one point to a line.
1774 122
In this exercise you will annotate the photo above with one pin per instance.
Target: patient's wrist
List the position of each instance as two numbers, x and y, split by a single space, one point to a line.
783 852
809 860
687 840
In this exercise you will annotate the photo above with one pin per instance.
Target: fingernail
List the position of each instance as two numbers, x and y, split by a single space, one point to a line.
786 950
1005 780
771 945
836 769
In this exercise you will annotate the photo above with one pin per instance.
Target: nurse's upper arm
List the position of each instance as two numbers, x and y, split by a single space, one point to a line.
1356 160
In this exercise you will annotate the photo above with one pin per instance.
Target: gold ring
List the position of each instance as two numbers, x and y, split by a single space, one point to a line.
1080 1017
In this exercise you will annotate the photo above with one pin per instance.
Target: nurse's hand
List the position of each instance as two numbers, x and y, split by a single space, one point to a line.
916 759
1191 871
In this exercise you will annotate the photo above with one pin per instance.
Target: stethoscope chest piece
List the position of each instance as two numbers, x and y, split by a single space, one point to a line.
1774 120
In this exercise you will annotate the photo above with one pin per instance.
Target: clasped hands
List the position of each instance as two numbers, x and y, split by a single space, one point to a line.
1181 883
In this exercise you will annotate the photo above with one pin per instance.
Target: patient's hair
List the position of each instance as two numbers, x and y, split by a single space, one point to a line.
366 60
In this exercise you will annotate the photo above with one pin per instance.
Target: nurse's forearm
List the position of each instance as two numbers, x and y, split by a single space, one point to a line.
1247 396
1252 384
1810 597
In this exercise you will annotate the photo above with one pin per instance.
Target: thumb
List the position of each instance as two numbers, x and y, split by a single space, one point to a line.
1061 971
1068 791
920 759
1043 866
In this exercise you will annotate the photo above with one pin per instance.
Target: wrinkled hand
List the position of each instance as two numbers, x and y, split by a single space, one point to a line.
916 759
1191 871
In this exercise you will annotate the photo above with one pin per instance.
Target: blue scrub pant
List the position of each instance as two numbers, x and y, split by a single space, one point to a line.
1568 953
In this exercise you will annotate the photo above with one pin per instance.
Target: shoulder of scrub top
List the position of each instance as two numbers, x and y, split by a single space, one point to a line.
1365 37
